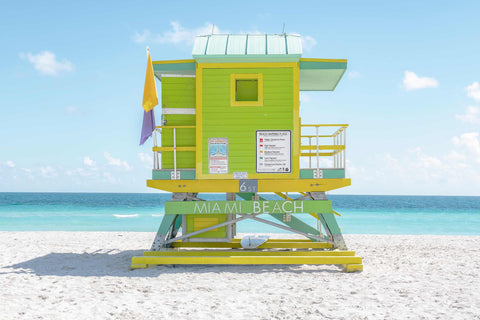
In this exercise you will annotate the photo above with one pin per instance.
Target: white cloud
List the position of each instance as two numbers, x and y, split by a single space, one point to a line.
353 74
455 156
305 97
141 37
146 159
469 141
10 164
46 63
426 161
471 115
473 91
116 162
48 172
177 34
88 162
308 42
413 82
107 176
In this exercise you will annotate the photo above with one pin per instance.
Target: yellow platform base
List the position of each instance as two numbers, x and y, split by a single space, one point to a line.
303 255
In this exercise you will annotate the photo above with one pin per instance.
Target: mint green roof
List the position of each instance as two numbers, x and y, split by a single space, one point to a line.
315 74
321 74
247 47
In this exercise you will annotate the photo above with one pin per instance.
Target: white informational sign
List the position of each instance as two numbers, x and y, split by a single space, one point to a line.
218 155
273 151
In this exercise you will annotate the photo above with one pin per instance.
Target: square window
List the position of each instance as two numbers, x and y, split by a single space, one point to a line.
246 90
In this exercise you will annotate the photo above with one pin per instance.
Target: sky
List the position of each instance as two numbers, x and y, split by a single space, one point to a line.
72 76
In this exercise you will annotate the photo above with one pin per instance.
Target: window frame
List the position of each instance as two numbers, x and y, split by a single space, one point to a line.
246 76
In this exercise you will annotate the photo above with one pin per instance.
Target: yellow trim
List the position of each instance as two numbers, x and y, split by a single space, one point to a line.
199 121
212 253
199 91
164 149
264 185
176 127
322 60
335 212
151 260
250 76
247 65
325 125
320 136
297 141
352 267
323 147
314 154
173 61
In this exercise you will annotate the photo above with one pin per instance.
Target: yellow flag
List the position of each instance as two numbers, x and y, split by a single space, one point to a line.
150 99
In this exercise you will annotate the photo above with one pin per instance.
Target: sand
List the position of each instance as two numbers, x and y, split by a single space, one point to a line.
86 275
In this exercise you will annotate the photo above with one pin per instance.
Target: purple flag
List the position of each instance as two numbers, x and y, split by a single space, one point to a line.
148 126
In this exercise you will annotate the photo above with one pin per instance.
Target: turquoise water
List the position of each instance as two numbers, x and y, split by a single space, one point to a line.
143 212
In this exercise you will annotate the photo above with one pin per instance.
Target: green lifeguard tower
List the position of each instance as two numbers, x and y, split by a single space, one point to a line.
231 124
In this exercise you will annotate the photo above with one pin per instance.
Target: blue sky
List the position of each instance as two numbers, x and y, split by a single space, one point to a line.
73 73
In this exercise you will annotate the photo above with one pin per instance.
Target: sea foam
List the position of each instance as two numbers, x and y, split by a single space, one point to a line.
125 215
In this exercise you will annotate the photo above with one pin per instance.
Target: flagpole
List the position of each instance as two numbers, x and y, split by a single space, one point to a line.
150 100
155 154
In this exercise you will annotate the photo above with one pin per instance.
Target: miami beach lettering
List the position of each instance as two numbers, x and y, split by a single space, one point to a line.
277 208
214 207
253 207
247 207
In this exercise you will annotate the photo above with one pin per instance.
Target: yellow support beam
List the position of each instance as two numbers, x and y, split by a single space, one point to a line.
264 185
217 253
163 149
323 147
150 260
320 154
175 127
324 125
320 136
352 267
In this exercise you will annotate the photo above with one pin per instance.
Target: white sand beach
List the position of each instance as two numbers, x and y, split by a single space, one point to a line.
86 275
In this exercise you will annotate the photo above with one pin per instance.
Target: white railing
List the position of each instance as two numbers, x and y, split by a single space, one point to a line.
328 149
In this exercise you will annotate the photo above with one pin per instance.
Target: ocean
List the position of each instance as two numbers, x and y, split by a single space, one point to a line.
361 214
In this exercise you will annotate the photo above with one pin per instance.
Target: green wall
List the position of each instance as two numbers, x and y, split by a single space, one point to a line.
238 124
178 93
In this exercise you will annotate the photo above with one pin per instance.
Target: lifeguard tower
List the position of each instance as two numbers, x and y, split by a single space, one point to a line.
231 124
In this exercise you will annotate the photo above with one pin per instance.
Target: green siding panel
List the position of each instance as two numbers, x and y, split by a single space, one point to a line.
239 124
327 173
178 92
166 174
